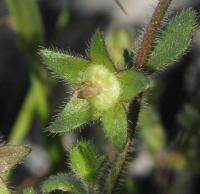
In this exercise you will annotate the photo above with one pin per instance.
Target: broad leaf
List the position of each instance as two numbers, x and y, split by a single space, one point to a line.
3 187
11 155
133 83
84 161
63 182
173 40
76 113
65 66
115 125
98 52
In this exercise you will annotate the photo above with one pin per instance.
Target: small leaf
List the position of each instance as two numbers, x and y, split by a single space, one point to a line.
65 66
76 113
98 52
29 190
63 182
117 41
11 155
115 125
174 40
3 187
84 161
128 58
132 83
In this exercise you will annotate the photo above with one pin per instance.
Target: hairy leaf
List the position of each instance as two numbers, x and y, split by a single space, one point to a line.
76 113
133 83
3 187
11 155
65 66
174 40
63 182
98 52
29 190
84 161
115 125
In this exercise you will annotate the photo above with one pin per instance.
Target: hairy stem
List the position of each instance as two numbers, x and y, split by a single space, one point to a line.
91 188
118 169
149 36
133 114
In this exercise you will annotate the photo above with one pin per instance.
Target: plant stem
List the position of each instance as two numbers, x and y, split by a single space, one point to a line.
133 114
91 188
150 34
120 164
118 169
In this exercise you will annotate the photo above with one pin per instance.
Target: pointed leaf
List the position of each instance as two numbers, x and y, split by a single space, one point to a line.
76 113
3 187
117 41
132 83
29 190
84 161
63 182
98 52
115 125
65 66
11 155
174 40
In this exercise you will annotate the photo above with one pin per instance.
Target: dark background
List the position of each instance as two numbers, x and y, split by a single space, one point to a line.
176 87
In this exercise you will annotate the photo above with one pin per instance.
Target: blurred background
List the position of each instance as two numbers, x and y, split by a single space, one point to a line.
168 136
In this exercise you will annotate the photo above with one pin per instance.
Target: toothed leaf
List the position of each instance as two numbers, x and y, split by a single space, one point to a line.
65 66
76 113
84 161
63 182
3 187
133 83
11 155
98 52
29 190
174 40
115 125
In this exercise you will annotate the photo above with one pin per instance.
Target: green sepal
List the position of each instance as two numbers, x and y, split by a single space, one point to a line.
3 187
98 52
132 83
85 162
29 190
11 155
173 40
76 113
67 182
115 125
65 66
